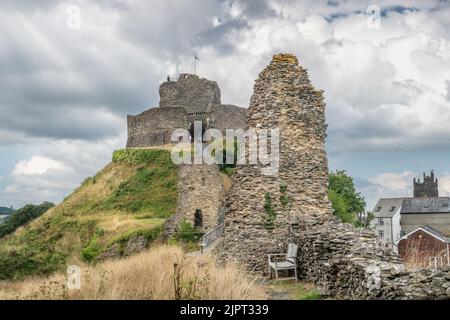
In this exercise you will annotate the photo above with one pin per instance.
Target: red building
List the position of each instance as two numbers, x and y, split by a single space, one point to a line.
425 246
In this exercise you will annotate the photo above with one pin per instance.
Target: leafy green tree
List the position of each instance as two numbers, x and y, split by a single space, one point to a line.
347 203
23 216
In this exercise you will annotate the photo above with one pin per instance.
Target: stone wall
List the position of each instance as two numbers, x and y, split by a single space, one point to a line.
283 98
155 126
349 263
199 187
227 117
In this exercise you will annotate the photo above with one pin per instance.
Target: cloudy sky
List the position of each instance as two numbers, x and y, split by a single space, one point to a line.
70 72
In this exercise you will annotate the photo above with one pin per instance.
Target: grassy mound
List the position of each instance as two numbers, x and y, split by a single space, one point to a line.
132 196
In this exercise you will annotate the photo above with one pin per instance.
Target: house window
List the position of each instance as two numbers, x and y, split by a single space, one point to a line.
380 221
392 209
381 233
378 209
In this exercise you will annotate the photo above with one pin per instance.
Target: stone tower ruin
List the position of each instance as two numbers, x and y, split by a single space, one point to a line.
182 102
260 210
428 188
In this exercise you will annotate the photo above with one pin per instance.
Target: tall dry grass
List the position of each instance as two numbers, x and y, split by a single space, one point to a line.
414 256
164 272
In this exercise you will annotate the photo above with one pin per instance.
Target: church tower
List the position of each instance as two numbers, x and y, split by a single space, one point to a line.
428 188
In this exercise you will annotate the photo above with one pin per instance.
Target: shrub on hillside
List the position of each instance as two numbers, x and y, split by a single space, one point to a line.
188 233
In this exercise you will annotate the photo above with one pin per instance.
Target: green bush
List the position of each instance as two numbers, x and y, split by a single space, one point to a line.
188 233
23 216
92 250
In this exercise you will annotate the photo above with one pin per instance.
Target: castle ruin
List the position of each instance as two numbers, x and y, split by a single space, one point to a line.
182 102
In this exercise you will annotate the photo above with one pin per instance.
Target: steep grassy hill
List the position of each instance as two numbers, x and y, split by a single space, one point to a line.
133 195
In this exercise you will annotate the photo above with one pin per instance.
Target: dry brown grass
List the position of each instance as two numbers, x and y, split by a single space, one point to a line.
163 272
414 257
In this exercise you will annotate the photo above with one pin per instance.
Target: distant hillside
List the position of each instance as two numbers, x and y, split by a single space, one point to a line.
5 211
23 216
129 199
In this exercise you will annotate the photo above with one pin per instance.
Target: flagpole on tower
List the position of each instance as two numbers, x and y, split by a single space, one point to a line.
195 64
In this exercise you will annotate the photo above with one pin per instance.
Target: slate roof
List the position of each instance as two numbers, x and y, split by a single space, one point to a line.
411 206
386 208
426 205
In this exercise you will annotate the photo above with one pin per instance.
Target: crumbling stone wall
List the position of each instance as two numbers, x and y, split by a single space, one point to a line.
349 263
342 260
199 187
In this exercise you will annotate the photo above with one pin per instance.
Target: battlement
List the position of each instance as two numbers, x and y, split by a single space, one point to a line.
190 92
428 188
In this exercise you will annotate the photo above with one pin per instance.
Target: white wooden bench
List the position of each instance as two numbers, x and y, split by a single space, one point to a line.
288 263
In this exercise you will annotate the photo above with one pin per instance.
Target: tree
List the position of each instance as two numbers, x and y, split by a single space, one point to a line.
23 216
347 203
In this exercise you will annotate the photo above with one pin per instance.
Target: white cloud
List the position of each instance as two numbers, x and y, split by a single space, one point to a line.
387 185
394 182
58 169
444 184
38 165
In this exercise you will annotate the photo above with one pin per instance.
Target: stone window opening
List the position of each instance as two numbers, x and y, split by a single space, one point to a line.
198 218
